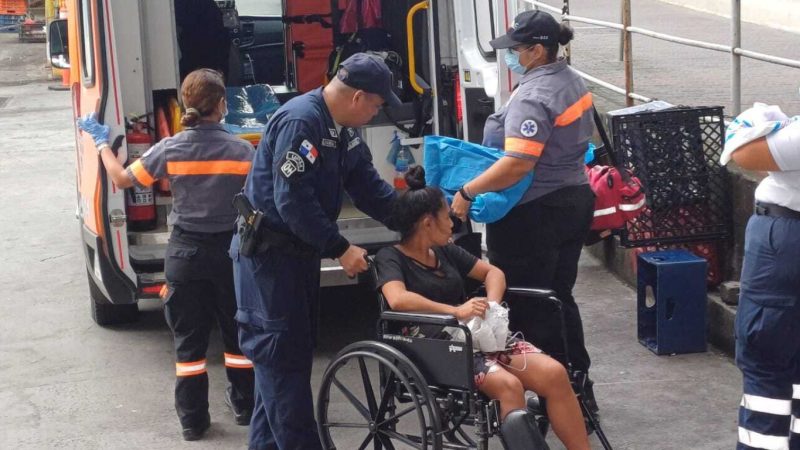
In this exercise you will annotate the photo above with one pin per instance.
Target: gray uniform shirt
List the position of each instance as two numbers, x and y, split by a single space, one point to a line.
206 166
548 119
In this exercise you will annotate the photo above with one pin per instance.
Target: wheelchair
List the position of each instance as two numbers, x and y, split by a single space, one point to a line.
402 391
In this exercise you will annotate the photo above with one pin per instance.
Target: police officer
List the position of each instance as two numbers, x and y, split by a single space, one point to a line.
309 155
206 167
546 124
768 316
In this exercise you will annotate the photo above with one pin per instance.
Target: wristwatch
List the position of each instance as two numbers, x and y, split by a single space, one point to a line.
101 146
464 194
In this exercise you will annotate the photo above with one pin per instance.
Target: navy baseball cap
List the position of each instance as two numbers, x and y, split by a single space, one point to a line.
370 74
530 27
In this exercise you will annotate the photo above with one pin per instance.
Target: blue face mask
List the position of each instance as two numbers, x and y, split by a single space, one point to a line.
512 62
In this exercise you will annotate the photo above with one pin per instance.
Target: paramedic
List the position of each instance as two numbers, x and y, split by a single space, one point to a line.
309 155
206 167
546 124
767 331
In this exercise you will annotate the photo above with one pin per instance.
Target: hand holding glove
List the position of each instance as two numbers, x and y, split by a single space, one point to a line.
98 131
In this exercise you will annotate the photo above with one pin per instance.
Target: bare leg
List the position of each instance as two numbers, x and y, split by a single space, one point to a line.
548 378
505 387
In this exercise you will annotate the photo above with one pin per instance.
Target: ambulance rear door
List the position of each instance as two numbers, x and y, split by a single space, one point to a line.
101 205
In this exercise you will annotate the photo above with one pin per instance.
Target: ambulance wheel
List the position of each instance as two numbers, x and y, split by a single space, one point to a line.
373 396
106 313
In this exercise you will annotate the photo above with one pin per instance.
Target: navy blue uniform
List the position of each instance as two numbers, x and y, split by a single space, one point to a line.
768 317
303 166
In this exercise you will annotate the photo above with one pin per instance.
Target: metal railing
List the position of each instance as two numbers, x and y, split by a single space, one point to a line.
734 49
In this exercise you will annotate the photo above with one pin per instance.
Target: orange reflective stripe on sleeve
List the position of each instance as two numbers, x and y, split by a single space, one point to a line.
219 167
189 369
524 146
141 174
575 111
237 361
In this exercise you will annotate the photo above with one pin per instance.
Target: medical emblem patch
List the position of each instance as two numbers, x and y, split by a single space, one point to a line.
308 150
529 128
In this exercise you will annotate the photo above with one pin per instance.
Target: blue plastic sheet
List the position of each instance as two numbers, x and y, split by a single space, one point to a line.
449 163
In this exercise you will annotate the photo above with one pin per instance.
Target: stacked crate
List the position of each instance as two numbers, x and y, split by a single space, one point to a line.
12 13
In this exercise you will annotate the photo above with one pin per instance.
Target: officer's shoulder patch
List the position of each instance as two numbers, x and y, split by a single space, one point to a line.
308 150
529 128
292 165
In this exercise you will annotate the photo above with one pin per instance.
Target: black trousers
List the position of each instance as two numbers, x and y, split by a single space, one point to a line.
538 244
200 292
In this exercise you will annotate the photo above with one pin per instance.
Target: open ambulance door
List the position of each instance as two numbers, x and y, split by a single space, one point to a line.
101 205
485 81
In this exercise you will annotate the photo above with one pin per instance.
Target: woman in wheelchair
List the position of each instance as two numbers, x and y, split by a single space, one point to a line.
425 272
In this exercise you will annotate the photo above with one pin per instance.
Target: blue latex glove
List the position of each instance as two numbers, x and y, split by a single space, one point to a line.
99 132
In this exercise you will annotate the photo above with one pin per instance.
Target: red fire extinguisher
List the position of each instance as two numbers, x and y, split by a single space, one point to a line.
141 204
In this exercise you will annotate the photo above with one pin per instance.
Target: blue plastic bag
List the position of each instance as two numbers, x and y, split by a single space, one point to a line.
394 150
449 163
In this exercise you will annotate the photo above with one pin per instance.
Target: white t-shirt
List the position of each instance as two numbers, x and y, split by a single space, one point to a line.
783 188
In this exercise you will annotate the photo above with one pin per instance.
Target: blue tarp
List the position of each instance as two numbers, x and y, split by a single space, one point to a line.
449 163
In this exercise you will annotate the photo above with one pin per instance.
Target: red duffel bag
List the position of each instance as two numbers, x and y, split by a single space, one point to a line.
619 196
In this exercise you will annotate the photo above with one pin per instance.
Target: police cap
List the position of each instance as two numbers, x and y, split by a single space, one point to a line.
370 74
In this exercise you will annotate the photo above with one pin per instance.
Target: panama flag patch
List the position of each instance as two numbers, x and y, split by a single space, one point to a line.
309 151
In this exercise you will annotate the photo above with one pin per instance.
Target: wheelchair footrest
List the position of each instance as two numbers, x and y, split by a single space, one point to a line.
520 432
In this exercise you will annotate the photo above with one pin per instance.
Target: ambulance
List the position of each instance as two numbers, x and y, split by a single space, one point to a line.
123 59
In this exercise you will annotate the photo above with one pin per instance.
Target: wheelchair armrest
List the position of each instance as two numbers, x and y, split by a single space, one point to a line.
531 292
545 295
423 318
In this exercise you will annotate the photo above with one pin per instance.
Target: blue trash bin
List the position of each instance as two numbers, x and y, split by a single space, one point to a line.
671 302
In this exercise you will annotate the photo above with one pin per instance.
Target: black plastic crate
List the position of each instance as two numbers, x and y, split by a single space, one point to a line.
675 153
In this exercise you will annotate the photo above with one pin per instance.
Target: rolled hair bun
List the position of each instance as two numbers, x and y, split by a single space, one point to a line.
415 178
190 118
565 34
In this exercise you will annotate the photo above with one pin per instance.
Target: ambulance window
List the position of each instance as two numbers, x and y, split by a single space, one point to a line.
259 7
484 24
87 42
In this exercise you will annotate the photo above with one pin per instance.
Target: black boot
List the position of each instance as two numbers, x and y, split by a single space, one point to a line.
241 415
588 396
196 432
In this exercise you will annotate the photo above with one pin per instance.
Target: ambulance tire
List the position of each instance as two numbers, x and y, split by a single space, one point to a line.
106 313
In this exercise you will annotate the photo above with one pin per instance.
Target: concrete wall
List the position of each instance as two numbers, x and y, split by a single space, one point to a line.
781 14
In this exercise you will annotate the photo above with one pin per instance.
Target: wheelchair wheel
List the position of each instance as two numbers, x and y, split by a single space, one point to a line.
373 396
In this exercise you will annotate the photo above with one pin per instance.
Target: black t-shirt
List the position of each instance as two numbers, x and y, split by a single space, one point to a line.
443 284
